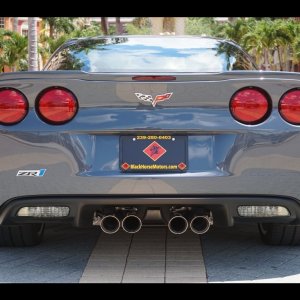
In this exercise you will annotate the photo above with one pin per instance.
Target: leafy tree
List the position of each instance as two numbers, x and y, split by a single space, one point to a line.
59 25
2 49
292 49
92 30
47 45
237 29
13 49
266 37
200 26
283 37
141 22
132 29
296 52
263 38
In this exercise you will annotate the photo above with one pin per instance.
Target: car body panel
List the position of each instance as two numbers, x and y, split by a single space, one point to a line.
81 157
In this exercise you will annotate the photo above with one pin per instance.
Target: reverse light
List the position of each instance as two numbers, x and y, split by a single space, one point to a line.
44 211
56 105
263 211
250 105
13 106
289 106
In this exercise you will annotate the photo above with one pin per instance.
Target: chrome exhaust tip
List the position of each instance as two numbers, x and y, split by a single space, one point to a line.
131 224
110 224
200 224
178 225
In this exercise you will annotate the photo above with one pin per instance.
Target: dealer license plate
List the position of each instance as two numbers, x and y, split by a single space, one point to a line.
153 153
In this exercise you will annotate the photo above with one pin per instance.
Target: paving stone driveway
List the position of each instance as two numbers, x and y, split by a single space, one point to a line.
153 255
237 255
61 257
230 255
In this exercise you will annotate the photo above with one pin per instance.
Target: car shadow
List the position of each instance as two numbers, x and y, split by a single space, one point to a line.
237 254
61 257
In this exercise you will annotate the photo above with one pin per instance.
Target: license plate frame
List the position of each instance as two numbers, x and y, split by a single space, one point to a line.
153 153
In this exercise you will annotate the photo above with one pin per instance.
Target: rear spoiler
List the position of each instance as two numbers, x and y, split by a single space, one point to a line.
129 76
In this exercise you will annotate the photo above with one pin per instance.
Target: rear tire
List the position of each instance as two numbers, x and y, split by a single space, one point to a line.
279 234
21 235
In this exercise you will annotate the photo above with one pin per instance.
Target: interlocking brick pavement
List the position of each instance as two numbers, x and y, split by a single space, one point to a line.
153 255
61 257
238 255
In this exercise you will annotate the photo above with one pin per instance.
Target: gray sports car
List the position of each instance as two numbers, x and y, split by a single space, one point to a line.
115 130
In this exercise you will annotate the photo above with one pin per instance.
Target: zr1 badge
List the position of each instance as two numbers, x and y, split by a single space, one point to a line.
32 173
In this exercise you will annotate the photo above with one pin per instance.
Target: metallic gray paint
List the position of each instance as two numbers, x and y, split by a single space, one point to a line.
81 157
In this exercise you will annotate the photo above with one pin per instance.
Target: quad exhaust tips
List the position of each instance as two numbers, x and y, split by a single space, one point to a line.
178 224
110 224
200 224
131 224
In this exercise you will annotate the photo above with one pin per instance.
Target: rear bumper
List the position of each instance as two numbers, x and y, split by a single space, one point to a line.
221 163
228 165
82 208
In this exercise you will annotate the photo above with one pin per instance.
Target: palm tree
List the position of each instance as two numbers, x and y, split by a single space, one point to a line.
51 22
32 44
119 27
237 29
13 49
261 40
59 25
267 37
141 22
282 38
3 46
293 27
296 52
104 25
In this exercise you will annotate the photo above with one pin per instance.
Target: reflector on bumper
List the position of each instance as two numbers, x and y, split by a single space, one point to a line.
44 211
263 211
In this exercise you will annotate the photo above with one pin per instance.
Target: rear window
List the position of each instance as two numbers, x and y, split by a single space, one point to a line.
126 54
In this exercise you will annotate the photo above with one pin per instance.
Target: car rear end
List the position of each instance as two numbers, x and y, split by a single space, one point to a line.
108 148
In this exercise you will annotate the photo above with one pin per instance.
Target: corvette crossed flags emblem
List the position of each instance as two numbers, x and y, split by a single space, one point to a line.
158 98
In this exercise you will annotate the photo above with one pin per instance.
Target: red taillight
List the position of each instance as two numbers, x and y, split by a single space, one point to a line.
289 107
250 105
57 105
13 106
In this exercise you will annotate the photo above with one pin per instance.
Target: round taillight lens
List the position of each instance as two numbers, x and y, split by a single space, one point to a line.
13 106
289 107
250 105
57 105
